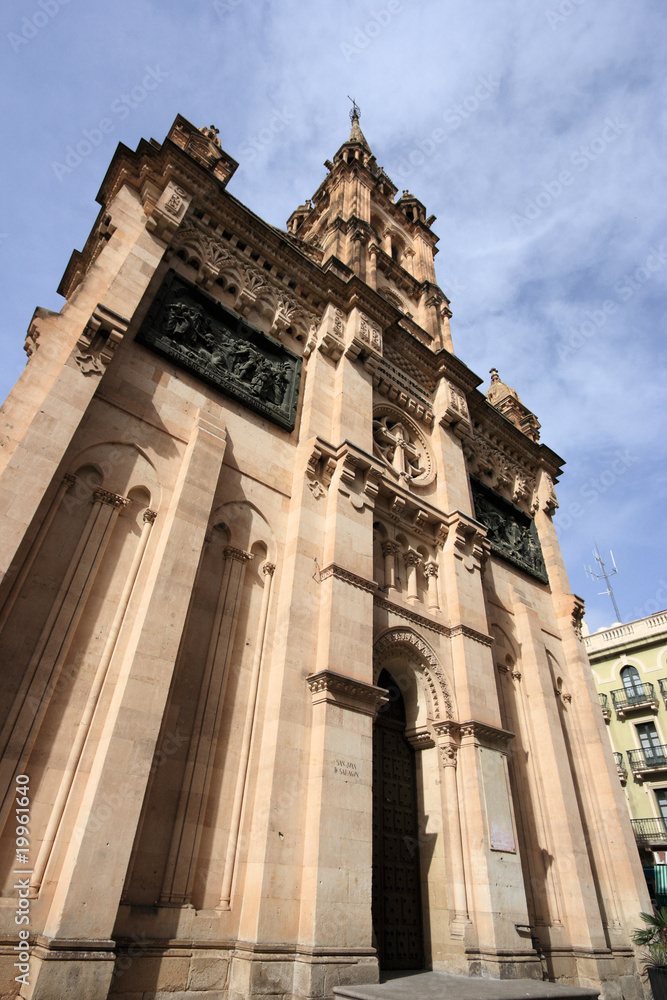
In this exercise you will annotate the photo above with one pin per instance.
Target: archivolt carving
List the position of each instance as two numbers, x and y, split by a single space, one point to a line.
419 653
253 286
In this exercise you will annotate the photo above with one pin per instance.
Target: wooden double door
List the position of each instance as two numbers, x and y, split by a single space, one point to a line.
397 914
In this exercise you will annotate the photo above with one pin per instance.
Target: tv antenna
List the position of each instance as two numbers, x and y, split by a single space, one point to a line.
604 574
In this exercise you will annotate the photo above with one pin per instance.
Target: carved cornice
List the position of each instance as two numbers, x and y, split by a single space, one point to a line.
481 734
112 499
346 692
411 616
343 574
471 633
238 555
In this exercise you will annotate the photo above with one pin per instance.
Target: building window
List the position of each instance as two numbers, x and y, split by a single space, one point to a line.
632 683
650 743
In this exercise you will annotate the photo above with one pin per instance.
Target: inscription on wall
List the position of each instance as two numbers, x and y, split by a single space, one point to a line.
197 333
511 532
347 768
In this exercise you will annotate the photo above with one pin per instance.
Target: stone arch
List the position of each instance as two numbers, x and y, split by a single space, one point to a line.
122 467
504 649
406 644
245 526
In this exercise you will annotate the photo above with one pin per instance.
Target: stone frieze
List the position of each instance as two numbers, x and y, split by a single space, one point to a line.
199 334
510 531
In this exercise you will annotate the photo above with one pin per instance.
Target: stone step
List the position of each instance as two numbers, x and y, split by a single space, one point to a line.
443 986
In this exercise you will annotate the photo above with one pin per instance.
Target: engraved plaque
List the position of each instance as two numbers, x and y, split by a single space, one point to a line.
201 336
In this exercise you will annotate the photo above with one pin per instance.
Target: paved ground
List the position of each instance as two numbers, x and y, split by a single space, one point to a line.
442 986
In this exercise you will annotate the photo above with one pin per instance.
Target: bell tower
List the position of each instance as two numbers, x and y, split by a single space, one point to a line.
354 217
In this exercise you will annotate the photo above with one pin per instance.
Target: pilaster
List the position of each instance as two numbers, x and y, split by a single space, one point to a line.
74 955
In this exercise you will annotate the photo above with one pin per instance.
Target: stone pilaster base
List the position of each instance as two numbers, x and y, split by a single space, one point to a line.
81 969
299 975
615 974
504 965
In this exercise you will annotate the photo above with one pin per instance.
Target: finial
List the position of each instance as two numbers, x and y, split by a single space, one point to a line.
355 113
495 377
211 133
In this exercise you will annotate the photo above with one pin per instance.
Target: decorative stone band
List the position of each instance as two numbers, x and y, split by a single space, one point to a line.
452 734
346 692
113 499
240 555
434 626
484 735
471 633
343 574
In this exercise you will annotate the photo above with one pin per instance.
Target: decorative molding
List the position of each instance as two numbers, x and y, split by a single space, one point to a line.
99 341
344 574
411 616
197 333
112 499
423 657
455 414
149 516
238 555
401 444
346 692
490 737
268 568
471 633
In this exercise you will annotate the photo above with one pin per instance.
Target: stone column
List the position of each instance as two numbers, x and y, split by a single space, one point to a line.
74 955
390 550
372 265
412 560
79 741
431 574
32 701
186 837
268 570
448 750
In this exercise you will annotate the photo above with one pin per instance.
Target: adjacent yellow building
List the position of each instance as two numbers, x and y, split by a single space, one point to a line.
629 664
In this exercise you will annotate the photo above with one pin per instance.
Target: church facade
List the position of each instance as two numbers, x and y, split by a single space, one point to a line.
294 688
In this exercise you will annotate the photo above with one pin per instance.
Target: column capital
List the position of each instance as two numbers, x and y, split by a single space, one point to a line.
239 555
113 499
346 692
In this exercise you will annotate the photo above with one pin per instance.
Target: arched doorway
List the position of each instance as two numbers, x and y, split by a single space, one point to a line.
397 917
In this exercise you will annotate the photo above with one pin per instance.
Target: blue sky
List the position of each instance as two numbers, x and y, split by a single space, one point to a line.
534 131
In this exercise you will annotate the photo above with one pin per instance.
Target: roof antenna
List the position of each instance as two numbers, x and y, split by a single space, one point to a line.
604 575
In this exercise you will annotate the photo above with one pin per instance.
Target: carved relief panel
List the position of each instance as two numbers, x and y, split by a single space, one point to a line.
197 333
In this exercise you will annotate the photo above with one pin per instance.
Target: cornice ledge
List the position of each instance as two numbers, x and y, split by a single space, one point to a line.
471 633
411 616
484 735
347 692
347 577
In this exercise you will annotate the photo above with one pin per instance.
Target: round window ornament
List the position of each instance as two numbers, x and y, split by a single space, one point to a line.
402 447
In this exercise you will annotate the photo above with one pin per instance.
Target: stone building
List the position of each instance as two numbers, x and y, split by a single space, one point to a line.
293 685
629 664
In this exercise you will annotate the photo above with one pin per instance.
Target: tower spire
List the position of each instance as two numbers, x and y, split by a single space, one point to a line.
356 135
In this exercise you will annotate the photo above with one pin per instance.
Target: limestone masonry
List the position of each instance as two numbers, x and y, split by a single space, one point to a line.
293 686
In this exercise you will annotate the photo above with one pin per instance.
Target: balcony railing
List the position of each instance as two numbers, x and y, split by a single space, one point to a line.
650 831
648 758
604 705
639 696
663 689
620 767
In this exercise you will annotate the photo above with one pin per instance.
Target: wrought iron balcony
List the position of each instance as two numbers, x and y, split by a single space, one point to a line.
604 705
647 759
663 689
628 699
620 767
650 831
